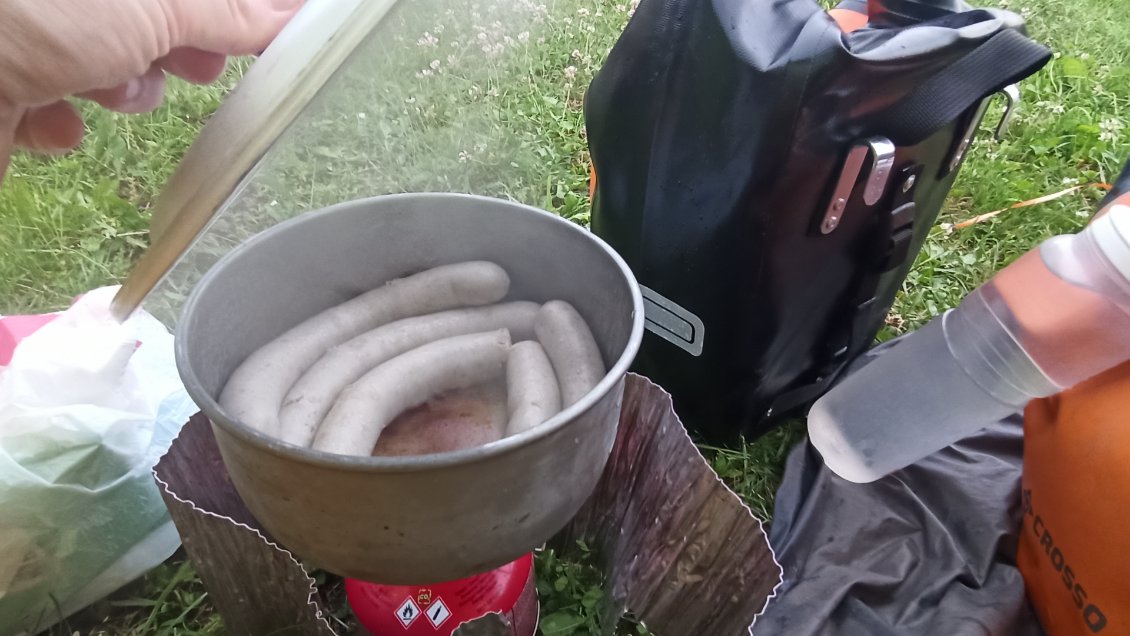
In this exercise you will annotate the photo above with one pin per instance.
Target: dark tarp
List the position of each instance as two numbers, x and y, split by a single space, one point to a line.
927 550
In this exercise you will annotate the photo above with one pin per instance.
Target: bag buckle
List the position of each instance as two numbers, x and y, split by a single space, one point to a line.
1012 100
882 153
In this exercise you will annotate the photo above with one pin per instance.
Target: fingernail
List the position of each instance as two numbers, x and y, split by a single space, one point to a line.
286 5
143 94
133 89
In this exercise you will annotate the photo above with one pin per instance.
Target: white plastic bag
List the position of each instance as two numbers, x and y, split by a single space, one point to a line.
87 407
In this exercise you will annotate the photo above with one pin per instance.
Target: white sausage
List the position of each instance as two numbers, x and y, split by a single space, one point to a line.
255 391
367 406
531 386
314 393
571 348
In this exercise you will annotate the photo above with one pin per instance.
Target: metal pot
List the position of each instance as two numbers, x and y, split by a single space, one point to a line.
417 519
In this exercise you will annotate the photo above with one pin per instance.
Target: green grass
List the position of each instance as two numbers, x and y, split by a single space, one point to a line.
73 223
77 222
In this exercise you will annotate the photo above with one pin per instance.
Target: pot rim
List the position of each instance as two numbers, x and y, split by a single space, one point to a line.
413 463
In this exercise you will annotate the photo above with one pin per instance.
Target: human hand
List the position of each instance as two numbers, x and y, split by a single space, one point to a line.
115 53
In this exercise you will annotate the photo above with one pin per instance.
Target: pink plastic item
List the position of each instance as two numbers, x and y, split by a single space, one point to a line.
13 329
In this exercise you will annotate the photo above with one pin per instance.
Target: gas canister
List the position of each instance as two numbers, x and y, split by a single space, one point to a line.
437 610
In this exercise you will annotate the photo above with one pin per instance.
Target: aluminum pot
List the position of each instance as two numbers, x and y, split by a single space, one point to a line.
415 519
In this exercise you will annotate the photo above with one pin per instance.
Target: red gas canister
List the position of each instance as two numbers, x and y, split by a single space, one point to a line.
437 610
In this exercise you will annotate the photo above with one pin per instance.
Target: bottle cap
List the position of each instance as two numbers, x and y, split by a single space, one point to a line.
1112 234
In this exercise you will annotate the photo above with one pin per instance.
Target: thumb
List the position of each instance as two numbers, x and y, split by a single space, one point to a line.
228 27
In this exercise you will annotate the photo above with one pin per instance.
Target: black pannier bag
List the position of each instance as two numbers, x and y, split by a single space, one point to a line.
770 178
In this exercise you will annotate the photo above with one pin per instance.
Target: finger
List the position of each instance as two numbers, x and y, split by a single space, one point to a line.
139 95
231 27
194 65
53 129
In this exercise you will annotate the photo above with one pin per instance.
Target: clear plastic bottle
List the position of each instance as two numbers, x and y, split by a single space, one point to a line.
1055 317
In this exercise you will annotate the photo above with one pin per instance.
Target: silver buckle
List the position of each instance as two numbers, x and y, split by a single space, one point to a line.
882 153
1012 97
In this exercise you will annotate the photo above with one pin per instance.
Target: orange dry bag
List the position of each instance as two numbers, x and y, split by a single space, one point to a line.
1074 548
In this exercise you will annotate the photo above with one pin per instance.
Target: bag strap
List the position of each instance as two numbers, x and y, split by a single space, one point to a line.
1003 59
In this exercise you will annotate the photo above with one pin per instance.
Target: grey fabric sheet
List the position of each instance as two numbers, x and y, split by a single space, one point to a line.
928 550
